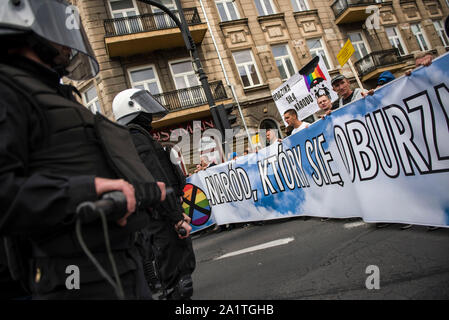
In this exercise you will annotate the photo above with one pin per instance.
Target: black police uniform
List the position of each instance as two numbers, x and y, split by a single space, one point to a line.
175 257
49 156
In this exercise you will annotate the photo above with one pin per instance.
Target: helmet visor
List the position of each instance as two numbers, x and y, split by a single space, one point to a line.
57 22
149 103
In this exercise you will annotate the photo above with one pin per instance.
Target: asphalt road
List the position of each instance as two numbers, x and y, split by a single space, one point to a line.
322 260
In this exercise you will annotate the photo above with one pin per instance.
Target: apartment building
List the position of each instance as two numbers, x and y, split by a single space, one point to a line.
247 48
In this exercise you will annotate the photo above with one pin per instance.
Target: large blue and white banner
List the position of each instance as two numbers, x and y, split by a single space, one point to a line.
384 158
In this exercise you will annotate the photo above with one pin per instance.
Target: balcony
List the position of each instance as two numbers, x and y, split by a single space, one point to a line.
372 65
188 104
148 32
348 11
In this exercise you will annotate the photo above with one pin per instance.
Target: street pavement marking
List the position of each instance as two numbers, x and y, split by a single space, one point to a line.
270 244
354 224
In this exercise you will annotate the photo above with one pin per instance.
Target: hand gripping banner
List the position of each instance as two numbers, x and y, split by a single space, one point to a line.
384 158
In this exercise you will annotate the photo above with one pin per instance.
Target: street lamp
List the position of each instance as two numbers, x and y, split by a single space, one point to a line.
220 123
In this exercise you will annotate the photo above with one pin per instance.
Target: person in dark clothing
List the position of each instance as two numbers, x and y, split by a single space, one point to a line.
173 252
54 155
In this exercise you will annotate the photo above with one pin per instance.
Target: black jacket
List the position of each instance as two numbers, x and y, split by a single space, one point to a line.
157 161
37 200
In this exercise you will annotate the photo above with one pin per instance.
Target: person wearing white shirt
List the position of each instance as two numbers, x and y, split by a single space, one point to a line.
291 117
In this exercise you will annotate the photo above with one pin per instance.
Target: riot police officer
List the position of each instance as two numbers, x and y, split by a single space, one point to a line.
55 154
173 253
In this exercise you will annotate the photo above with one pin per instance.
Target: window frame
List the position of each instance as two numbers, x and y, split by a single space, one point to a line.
398 36
140 68
92 102
329 64
421 32
225 7
262 5
289 55
245 64
131 28
357 43
296 3
441 32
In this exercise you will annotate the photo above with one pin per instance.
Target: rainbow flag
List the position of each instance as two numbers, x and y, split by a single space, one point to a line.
196 205
317 73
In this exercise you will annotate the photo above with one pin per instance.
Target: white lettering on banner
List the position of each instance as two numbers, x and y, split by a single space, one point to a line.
393 148
229 187
365 147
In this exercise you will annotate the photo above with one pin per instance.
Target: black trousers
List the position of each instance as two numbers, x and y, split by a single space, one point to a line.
49 278
174 257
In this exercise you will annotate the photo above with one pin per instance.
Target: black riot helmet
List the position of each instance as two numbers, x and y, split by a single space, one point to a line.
46 26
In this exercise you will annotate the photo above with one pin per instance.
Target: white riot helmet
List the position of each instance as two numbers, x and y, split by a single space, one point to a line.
129 103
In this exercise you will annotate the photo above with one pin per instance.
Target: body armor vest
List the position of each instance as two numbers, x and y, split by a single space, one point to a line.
70 148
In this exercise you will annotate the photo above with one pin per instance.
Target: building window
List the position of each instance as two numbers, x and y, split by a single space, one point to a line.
300 5
359 45
145 78
439 27
247 68
162 19
183 74
90 99
265 7
227 10
284 61
316 48
185 77
124 10
396 40
420 37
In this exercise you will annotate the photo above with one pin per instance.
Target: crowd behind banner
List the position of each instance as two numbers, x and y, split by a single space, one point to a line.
384 158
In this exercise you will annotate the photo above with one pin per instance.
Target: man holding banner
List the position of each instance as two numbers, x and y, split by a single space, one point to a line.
341 85
291 117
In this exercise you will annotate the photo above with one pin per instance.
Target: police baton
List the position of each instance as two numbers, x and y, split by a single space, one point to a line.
112 204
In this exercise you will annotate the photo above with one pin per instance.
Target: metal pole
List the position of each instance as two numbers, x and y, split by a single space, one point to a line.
190 45
226 75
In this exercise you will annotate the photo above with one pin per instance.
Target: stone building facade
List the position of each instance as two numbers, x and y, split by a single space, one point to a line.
247 49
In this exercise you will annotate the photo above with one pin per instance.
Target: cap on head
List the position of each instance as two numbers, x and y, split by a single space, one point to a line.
385 77
337 78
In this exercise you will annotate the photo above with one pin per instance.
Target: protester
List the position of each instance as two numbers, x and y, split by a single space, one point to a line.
272 137
341 85
288 130
205 162
55 154
325 104
291 117
173 252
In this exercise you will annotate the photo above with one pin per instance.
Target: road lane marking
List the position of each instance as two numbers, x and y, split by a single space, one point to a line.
262 246
354 224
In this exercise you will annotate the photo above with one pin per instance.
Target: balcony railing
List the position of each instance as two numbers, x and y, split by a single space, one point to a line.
147 22
378 59
340 6
190 97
